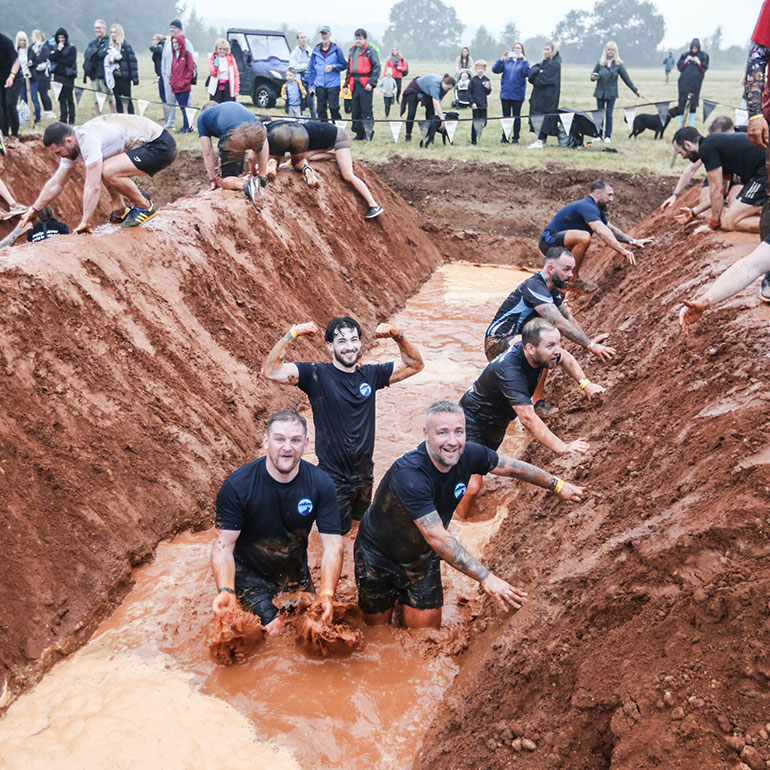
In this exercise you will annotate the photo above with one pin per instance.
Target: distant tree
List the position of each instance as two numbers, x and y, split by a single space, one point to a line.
424 29
509 35
484 45
575 37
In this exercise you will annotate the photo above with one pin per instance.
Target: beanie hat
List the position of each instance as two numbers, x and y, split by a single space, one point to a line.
176 23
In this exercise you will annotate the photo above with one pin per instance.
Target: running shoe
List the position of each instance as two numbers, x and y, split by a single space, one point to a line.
579 286
764 290
536 145
309 176
139 216
117 219
272 168
545 411
374 211
607 140
252 190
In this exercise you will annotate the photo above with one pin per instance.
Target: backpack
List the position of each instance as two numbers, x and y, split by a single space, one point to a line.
194 80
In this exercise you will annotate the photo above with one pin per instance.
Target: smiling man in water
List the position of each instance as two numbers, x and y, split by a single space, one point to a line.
342 395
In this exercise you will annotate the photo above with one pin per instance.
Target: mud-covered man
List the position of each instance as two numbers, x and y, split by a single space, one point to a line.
574 225
403 536
342 396
264 513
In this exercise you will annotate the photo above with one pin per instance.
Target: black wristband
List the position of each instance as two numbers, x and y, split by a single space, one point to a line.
229 590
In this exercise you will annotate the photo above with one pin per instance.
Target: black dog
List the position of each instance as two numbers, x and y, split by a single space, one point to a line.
645 121
434 127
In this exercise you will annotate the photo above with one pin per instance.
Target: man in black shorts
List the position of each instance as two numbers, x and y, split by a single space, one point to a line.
265 511
113 148
240 136
318 139
574 225
403 536
723 156
342 395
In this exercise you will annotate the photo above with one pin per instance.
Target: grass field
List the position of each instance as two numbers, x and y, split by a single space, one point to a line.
723 86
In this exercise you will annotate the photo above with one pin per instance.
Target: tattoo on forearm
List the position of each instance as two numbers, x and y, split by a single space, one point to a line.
754 84
455 554
523 471
620 235
567 327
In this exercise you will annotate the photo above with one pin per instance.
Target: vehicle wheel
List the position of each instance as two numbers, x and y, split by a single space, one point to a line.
264 96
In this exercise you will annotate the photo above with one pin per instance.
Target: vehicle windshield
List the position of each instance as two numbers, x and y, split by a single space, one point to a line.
266 46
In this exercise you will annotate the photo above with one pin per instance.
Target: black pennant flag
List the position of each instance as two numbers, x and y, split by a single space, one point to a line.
708 108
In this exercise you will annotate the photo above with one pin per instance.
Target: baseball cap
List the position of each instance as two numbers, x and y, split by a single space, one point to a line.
325 28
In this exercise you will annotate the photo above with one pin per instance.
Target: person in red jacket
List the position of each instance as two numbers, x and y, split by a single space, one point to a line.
400 69
182 69
363 74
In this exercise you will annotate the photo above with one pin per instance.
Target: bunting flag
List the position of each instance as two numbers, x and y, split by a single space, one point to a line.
741 117
507 124
126 103
662 108
78 94
369 128
566 120
100 97
629 113
708 108
598 118
395 129
451 127
340 123
537 122
424 127
56 90
190 112
143 104
478 124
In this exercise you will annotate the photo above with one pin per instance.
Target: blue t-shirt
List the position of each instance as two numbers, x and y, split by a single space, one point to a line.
343 413
574 216
412 488
430 85
275 518
519 306
220 120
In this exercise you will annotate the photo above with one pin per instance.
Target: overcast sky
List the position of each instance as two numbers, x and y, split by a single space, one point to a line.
684 18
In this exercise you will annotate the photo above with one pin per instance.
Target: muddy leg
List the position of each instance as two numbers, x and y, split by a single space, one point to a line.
420 618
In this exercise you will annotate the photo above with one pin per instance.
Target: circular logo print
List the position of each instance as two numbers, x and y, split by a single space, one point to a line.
459 489
365 389
305 507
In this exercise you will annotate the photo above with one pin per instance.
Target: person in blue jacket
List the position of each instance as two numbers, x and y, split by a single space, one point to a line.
515 68
326 63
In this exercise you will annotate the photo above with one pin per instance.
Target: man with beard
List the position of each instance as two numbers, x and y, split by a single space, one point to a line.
403 536
342 396
112 148
574 225
265 511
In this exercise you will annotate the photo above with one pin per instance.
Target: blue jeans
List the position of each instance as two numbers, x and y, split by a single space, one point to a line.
607 105
35 100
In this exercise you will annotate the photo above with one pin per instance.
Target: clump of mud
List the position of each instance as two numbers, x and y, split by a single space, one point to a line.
342 636
233 635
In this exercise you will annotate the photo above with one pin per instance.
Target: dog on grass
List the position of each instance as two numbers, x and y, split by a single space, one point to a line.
652 121
434 127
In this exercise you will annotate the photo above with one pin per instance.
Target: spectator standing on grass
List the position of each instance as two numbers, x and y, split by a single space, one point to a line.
514 67
224 83
46 227
427 90
300 61
19 89
388 88
40 53
605 75
400 69
93 65
363 74
156 49
9 70
464 61
692 66
175 28
64 60
326 63
182 68
294 93
478 91
127 72
546 90
669 63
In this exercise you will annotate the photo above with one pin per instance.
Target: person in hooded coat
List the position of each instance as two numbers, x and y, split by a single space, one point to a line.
692 66
545 78
182 69
64 64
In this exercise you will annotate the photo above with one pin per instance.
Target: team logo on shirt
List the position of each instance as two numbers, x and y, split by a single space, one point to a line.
305 507
460 489
365 389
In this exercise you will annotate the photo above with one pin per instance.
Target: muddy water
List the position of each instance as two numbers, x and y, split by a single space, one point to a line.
144 693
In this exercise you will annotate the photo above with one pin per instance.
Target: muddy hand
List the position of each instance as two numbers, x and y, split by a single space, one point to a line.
640 243
306 328
578 445
571 492
223 601
386 330
758 131
702 229
592 389
503 593
690 313
629 255
670 201
602 352
328 604
684 216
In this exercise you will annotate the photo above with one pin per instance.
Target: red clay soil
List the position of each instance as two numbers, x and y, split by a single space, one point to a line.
646 639
129 378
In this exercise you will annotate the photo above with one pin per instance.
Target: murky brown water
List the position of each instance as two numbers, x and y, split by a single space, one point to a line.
144 694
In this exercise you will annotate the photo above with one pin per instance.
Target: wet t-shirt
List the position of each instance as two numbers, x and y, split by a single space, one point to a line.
507 381
275 518
321 136
519 306
575 216
220 120
343 413
734 153
412 488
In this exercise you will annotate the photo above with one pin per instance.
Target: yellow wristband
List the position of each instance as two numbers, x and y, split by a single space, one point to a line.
293 333
754 117
585 381
559 486
326 592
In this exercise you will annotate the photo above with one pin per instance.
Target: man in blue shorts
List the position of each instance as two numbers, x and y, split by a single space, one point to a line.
574 225
403 536
240 136
342 396
265 511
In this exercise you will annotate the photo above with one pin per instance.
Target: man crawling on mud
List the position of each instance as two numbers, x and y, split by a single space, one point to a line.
317 140
241 136
342 395
403 535
112 148
265 511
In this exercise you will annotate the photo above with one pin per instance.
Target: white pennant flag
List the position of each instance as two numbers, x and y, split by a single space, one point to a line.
340 123
537 122
100 97
143 105
56 90
190 112
451 127
741 117
395 129
507 124
566 120
630 114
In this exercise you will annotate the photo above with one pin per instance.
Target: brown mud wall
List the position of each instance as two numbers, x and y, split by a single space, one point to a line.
646 639
129 378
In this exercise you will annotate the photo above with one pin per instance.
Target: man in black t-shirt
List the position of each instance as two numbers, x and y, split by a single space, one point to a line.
342 395
725 156
403 535
265 511
47 227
